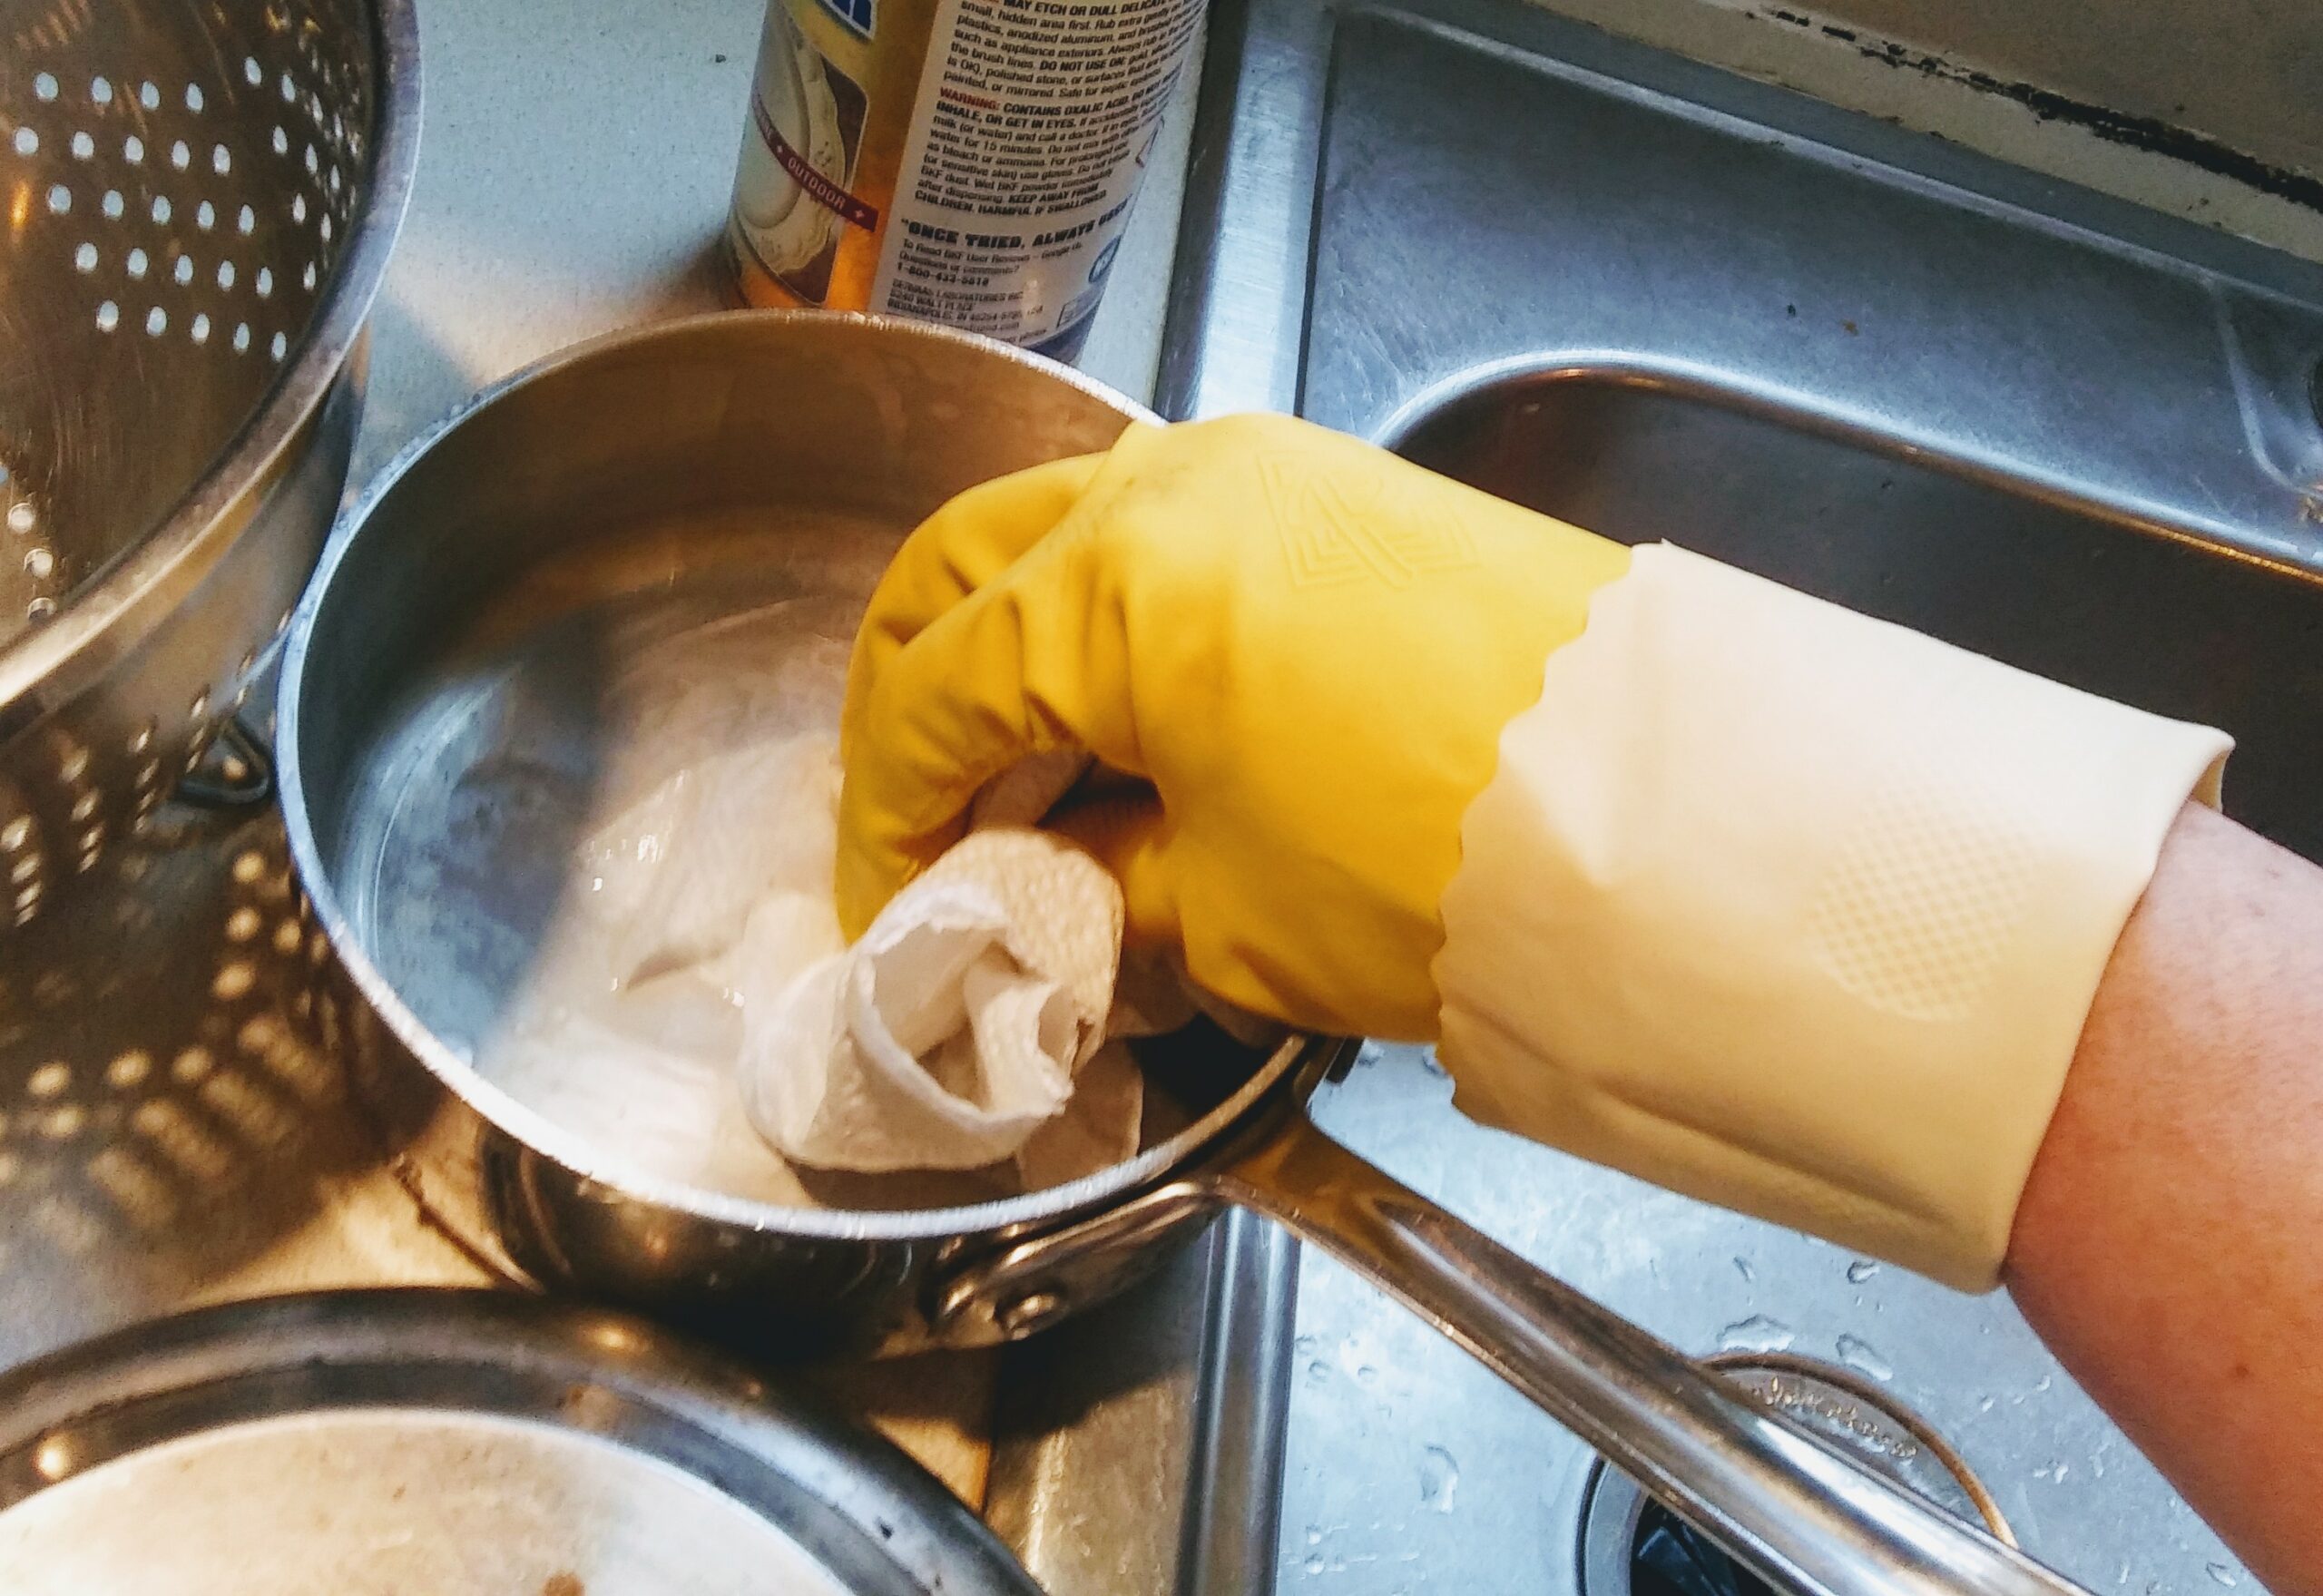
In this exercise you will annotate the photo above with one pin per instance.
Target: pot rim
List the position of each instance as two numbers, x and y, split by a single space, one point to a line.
535 1132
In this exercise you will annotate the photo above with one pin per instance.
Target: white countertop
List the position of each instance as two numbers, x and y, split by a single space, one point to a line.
574 165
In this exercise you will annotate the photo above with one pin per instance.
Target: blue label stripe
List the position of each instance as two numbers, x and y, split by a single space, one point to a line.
854 13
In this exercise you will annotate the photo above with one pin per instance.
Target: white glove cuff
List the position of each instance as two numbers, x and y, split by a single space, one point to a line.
1799 912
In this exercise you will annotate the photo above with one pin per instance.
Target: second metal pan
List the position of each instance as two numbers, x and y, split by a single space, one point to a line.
458 1443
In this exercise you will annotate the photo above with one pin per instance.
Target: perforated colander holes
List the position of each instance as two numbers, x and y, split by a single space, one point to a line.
184 148
179 1137
22 521
243 669
26 865
307 1074
146 790
324 147
87 829
266 929
138 1192
184 270
235 979
304 215
277 930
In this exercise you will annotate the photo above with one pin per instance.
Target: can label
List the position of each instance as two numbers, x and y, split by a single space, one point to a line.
967 161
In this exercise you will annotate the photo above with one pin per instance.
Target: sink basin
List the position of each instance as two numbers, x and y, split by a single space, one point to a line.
2172 624
1662 302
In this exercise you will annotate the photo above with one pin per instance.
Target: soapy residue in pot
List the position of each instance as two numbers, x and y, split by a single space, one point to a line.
699 887
717 799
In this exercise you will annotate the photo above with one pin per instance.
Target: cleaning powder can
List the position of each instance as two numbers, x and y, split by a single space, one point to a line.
966 161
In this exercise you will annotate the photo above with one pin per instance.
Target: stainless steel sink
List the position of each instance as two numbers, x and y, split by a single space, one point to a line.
1661 302
2072 589
1664 302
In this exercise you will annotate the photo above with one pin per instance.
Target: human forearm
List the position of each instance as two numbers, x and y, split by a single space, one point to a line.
2165 1247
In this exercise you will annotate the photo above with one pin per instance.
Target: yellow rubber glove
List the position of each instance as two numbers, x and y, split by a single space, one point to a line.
1306 645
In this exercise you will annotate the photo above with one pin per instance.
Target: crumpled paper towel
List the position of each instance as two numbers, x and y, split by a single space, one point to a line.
968 1027
657 1017
713 842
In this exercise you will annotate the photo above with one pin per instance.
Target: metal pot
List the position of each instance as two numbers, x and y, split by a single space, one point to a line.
786 409
768 409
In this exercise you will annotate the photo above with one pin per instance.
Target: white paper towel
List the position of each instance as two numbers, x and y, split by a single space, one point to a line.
966 1027
715 841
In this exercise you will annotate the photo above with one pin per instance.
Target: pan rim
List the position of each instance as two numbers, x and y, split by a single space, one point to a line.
835 1488
575 1154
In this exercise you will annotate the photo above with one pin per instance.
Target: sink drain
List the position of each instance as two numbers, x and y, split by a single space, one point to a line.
1631 1545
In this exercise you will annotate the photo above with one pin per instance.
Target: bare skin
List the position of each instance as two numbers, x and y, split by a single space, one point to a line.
2166 1247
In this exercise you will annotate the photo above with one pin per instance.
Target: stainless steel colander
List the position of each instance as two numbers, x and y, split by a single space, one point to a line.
197 198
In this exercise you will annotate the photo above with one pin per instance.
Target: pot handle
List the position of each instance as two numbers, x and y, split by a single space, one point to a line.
1801 1515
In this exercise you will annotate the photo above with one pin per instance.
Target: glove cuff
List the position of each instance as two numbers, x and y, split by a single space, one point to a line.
1799 912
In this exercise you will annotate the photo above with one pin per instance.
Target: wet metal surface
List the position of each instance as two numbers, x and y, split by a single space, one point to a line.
1665 302
591 200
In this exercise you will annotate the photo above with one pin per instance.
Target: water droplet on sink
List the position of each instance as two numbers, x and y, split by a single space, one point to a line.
1987 1404
1314 1536
1757 1334
1439 1478
1862 1269
1314 1563
1318 1372
1427 1062
2221 1573
1365 1375
1864 1359
2055 1473
1308 1345
1742 1268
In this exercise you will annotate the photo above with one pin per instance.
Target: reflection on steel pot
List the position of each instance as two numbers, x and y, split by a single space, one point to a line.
645 448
